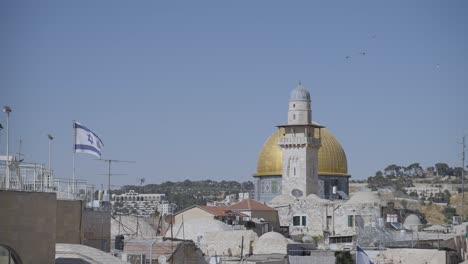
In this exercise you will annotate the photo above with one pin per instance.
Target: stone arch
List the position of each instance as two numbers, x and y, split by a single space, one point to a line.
10 253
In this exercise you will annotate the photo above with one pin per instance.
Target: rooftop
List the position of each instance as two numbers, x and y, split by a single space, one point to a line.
250 205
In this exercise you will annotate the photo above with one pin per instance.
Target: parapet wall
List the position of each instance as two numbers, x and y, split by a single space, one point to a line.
27 225
69 215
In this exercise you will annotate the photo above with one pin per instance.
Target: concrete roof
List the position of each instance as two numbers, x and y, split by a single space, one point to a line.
81 252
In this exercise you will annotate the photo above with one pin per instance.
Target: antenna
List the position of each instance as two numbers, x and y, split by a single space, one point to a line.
109 162
19 151
141 180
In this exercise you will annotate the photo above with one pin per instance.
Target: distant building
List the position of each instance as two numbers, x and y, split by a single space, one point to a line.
166 208
137 197
230 198
428 189
245 195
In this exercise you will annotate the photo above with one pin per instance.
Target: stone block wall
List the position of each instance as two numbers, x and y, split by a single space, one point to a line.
27 225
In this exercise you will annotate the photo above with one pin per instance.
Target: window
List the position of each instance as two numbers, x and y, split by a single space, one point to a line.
294 171
340 239
274 187
351 220
294 116
299 220
329 221
296 221
294 105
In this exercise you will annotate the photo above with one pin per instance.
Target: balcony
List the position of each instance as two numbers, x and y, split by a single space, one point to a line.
298 141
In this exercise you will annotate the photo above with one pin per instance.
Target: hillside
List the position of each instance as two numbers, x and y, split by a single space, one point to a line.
188 193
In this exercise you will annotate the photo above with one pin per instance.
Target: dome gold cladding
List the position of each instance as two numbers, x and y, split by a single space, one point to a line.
331 160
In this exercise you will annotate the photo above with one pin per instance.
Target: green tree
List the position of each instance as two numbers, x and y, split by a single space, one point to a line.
442 169
458 171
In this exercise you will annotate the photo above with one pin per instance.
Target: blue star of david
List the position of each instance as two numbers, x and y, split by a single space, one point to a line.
90 138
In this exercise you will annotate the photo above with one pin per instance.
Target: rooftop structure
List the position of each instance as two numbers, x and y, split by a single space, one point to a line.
25 176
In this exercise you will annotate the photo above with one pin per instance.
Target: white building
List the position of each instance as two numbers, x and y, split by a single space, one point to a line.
245 195
338 219
137 197
166 208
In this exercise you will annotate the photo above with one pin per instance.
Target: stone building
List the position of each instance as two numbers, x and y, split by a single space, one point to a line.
330 219
301 155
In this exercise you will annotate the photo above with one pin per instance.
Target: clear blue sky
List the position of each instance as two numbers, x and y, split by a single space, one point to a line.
191 90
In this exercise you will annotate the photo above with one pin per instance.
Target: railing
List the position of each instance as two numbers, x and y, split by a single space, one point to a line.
36 178
298 141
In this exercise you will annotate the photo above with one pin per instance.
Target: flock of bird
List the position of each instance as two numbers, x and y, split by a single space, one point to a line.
363 53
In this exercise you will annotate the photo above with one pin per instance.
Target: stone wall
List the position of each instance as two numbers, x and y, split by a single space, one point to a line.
96 229
27 225
68 228
330 216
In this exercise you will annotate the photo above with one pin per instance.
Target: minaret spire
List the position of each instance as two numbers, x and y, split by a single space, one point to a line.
300 147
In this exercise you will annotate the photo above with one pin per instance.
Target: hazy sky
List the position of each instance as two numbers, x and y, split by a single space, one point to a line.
191 90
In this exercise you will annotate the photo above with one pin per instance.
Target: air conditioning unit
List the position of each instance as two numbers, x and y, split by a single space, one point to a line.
457 220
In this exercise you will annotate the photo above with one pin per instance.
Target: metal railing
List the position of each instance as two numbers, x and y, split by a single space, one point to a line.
35 177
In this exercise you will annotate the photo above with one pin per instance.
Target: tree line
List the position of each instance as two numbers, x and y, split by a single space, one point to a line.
400 177
187 193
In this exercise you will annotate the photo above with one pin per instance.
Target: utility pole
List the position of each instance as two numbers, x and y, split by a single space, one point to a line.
1 128
50 151
7 110
463 178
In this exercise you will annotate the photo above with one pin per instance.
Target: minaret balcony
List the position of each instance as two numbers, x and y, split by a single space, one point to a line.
294 141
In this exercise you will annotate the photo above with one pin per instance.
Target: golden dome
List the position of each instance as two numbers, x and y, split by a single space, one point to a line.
331 159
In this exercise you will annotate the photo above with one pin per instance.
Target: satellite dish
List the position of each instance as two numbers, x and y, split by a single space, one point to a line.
162 259
297 193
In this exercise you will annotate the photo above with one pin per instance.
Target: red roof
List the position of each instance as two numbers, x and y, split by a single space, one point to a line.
250 205
214 210
219 211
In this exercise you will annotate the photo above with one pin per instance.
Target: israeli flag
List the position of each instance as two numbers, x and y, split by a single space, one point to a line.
361 256
86 141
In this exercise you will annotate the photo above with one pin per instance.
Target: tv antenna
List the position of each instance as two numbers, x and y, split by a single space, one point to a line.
109 162
141 180
20 155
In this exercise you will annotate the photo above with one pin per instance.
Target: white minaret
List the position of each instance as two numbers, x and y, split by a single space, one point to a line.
300 144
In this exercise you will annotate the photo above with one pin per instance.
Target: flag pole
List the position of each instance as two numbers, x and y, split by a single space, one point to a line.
74 156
